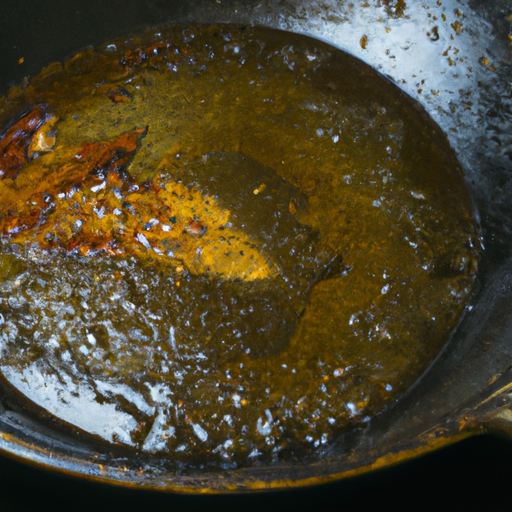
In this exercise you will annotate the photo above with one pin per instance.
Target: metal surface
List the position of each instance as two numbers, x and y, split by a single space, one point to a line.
455 58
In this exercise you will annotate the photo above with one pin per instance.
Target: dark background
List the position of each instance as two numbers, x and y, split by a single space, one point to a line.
468 476
472 475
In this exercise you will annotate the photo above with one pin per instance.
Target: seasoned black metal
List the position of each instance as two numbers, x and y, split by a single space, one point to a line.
466 390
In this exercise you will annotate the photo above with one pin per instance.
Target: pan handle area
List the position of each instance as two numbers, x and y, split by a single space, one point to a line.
493 414
500 421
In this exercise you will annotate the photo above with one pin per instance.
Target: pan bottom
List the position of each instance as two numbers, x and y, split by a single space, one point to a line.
224 245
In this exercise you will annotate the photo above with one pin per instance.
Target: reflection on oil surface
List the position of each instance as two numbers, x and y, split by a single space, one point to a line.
224 244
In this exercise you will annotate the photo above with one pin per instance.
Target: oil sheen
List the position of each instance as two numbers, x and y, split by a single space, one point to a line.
224 244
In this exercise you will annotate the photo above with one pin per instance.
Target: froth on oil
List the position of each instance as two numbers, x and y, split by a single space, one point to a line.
224 244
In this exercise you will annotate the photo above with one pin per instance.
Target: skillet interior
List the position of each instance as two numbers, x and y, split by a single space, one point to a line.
462 377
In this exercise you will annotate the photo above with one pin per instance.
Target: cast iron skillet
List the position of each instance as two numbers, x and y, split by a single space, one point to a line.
468 389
